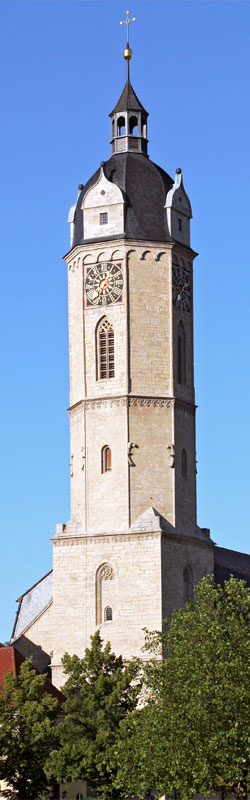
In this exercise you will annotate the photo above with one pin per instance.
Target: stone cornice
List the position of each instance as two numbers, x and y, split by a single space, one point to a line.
131 401
95 244
129 536
128 244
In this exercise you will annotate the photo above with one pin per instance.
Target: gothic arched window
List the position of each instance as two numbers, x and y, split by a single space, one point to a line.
187 583
184 463
105 350
106 459
181 354
104 593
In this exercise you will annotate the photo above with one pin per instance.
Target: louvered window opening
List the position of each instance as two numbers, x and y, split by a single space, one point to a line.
107 351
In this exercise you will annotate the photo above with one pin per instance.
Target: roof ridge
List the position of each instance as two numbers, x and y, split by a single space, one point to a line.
34 584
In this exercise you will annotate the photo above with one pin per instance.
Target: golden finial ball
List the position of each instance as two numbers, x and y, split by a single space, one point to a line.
127 53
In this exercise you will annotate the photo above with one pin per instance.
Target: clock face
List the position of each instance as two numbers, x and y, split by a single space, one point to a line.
104 284
182 289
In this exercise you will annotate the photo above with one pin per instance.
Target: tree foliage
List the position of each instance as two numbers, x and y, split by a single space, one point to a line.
101 691
28 731
193 733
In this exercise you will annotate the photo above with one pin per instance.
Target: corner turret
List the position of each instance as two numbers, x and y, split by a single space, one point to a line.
179 211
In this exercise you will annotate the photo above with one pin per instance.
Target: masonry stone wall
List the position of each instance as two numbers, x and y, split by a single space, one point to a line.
105 556
135 593
151 429
150 321
178 552
185 485
41 631
106 492
145 331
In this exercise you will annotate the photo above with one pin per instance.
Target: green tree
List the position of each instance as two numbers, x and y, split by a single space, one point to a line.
101 690
193 734
28 731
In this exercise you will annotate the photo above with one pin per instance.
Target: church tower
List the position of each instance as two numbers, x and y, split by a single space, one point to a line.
132 549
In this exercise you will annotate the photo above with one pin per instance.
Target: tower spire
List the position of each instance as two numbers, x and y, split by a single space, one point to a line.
127 52
128 118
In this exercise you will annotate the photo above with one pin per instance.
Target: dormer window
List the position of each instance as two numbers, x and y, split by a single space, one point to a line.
103 218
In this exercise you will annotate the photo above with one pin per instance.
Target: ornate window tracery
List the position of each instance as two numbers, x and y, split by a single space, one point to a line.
105 350
104 593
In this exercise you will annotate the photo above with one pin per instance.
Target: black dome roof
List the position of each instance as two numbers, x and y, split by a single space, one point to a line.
144 186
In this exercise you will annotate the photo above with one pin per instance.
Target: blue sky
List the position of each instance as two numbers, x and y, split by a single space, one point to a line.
61 72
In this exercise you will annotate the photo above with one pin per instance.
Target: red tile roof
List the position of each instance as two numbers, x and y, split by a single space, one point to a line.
11 659
7 662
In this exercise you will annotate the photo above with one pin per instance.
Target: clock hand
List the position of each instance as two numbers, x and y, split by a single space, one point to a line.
182 290
95 295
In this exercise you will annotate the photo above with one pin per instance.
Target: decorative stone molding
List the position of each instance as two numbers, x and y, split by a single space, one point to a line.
145 254
171 449
74 264
83 458
131 447
182 405
131 402
104 573
107 573
106 402
76 408
156 402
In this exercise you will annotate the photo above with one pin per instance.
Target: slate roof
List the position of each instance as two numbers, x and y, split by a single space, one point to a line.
32 603
230 562
144 185
128 101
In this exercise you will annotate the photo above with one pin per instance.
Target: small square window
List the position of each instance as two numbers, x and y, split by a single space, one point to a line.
103 218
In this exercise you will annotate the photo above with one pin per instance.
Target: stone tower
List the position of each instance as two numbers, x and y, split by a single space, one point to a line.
132 549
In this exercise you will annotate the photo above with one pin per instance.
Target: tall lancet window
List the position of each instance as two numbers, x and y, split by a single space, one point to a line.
105 342
181 354
184 463
188 583
105 593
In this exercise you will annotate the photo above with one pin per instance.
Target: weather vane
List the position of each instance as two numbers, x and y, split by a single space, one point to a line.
127 53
